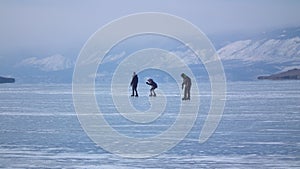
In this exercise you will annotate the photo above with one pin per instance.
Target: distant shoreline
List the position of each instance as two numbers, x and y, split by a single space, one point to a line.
293 74
7 80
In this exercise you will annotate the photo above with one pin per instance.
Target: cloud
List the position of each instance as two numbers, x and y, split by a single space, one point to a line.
51 63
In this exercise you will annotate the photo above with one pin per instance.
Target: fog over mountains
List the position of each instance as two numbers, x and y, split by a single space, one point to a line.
243 59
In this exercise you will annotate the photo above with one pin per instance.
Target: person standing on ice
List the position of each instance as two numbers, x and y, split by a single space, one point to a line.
186 84
133 84
153 87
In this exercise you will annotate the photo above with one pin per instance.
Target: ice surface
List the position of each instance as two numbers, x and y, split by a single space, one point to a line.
260 128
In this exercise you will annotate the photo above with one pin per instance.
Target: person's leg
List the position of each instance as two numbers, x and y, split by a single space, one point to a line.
132 91
188 93
185 93
136 93
154 94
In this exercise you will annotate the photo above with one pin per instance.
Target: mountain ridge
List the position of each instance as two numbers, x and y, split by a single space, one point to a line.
276 51
243 58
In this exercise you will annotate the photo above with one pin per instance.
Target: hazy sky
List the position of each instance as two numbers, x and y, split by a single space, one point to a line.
46 27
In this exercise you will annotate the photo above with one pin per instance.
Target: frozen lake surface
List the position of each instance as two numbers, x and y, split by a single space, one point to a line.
260 128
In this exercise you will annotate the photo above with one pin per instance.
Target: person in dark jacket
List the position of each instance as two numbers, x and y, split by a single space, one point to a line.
186 84
153 87
133 84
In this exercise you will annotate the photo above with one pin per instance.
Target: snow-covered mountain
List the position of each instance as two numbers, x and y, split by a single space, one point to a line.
265 50
267 53
52 63
51 69
243 59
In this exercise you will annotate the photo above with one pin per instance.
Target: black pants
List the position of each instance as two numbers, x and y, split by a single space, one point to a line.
134 89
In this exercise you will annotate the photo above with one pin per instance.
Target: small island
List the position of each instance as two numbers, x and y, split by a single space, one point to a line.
293 74
7 80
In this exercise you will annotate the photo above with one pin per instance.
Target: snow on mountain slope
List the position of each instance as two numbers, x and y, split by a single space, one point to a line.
52 63
264 50
264 54
243 59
